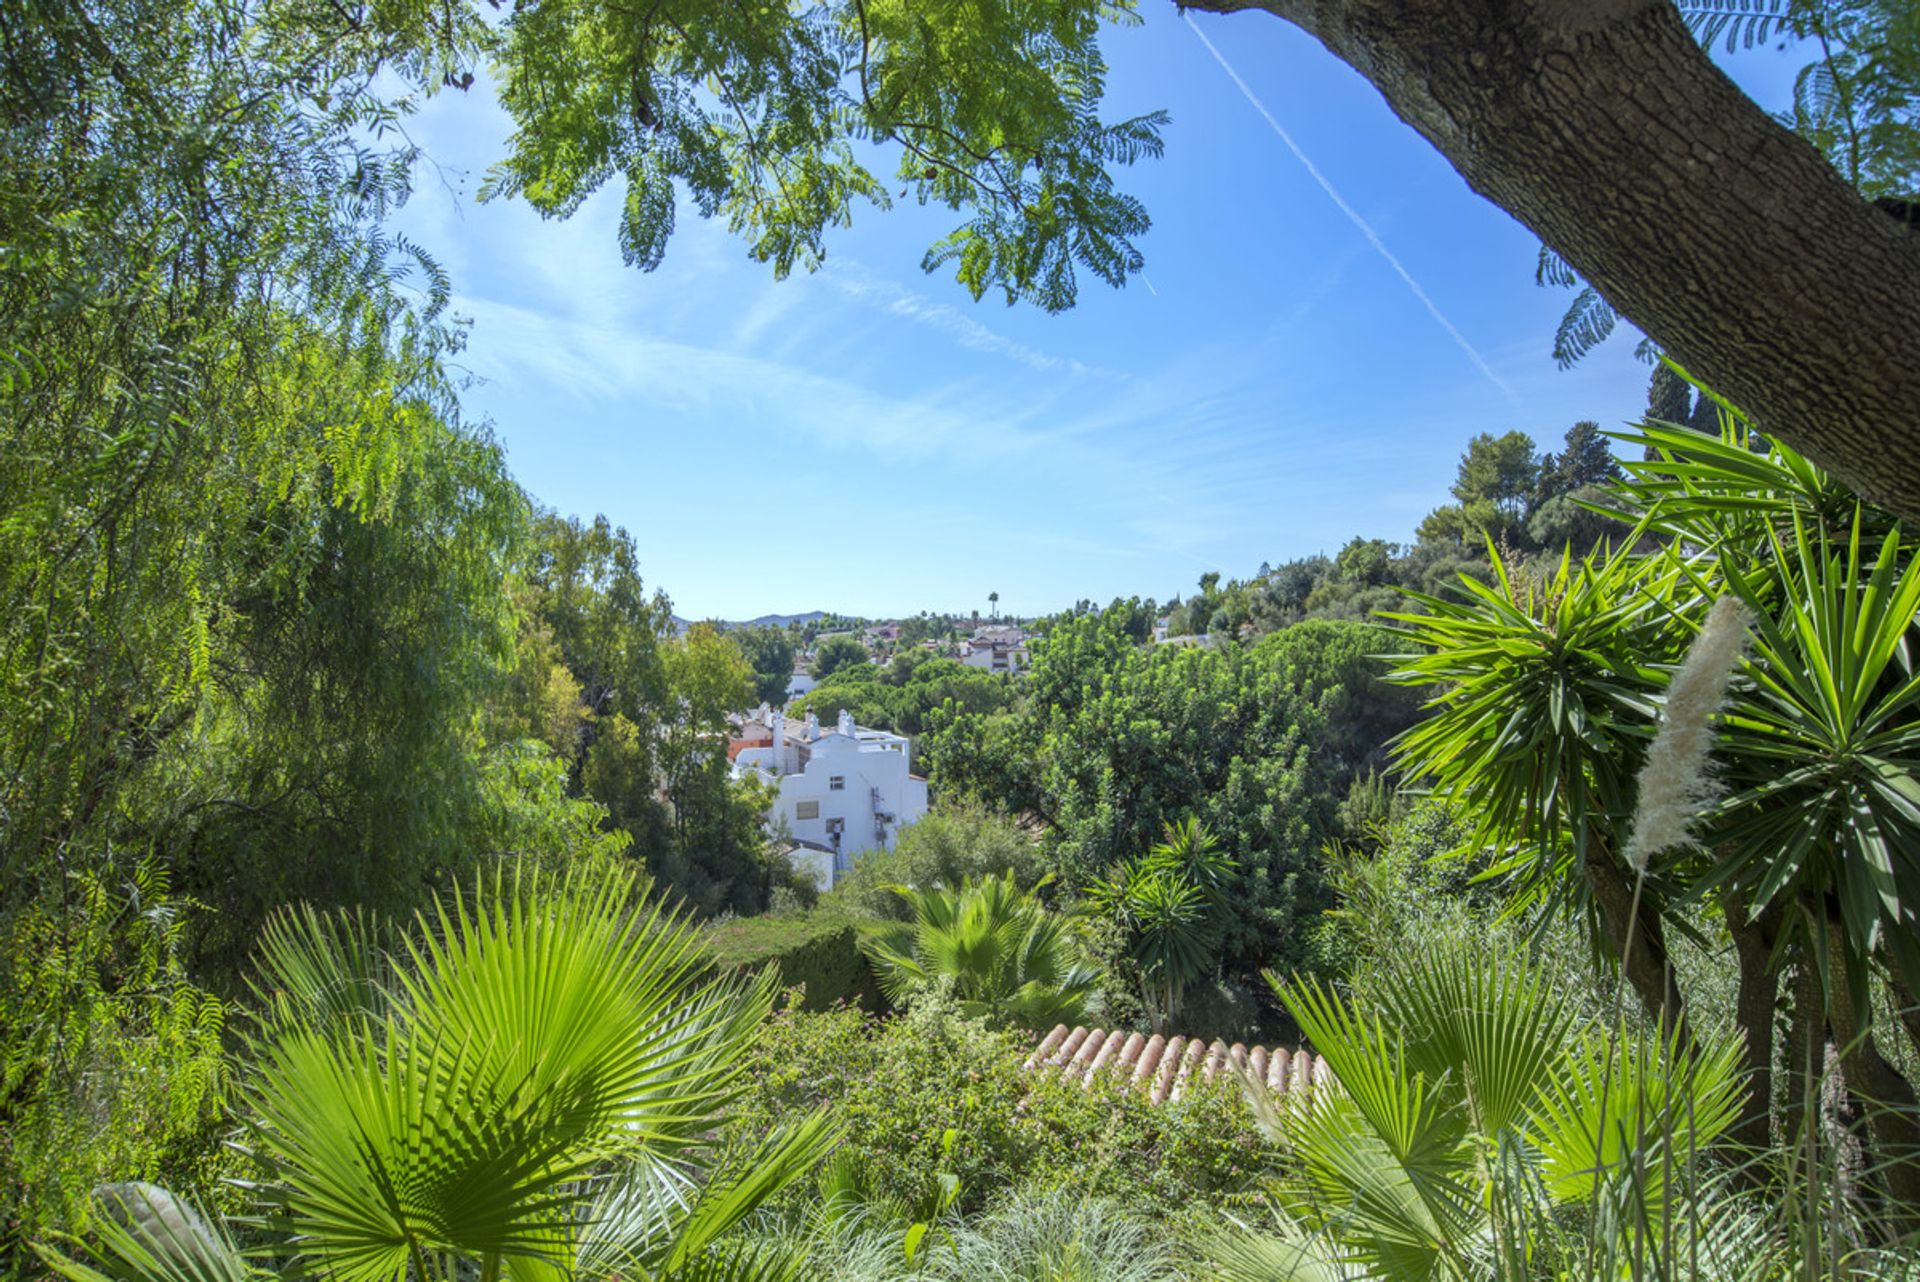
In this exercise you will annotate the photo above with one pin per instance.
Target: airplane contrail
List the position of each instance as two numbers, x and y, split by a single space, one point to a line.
1353 216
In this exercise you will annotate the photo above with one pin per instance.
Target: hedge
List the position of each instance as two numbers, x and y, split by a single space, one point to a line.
820 952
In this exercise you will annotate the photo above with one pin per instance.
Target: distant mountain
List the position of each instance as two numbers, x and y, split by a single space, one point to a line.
764 621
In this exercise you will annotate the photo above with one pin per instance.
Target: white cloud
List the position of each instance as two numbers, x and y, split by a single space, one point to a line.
856 282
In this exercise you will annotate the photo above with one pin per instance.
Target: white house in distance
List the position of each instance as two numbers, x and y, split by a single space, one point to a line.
843 791
801 682
1001 648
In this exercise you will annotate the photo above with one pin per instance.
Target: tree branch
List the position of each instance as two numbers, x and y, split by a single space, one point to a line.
1604 128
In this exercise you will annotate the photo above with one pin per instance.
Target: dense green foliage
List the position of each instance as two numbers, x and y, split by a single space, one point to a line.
819 953
1475 1104
450 1097
840 654
1170 908
1559 701
899 1086
1111 742
279 636
114 1061
956 841
770 653
905 694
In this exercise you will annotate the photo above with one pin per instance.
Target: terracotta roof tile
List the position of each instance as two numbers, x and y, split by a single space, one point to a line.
1163 1066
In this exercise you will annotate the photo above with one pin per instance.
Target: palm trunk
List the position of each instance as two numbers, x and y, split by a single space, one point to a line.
1806 1054
1893 1115
1756 999
1637 938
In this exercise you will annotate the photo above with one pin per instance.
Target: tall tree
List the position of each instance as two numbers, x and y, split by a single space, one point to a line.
1669 397
1500 470
1605 128
836 654
770 651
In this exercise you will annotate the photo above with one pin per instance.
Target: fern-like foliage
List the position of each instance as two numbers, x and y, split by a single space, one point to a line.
769 116
1589 321
1742 24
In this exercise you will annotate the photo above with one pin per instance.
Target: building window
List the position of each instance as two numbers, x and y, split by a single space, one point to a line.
836 783
806 810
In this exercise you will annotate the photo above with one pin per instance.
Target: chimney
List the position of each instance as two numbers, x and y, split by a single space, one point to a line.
813 726
846 723
778 723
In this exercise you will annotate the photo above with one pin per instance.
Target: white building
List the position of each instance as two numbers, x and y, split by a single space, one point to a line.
1000 648
801 682
842 791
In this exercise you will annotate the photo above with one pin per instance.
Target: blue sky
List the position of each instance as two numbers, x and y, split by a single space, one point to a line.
869 439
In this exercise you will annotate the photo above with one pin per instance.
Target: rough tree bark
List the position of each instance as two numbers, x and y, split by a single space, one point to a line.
1756 999
1888 1096
1605 129
1806 1054
1636 934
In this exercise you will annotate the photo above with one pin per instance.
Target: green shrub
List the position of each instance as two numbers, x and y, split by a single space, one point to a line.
817 952
897 1086
944 848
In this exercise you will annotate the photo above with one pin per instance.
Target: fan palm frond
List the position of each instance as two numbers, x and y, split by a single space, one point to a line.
528 1087
1007 958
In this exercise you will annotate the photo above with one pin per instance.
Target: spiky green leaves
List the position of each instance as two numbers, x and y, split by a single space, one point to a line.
538 1039
1545 702
1472 1108
1005 956
1172 904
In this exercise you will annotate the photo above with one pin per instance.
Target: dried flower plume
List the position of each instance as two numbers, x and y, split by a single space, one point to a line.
1676 784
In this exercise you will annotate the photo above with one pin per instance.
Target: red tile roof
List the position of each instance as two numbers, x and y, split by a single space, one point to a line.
1162 1066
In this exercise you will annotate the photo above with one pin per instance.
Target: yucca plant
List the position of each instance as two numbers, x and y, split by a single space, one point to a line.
1171 904
1007 959
1819 749
523 1085
1547 698
1477 1125
1058 1237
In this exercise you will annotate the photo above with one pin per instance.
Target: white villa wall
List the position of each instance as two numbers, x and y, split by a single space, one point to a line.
875 781
1014 659
817 864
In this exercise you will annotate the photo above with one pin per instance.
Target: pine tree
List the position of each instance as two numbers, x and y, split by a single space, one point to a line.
1669 397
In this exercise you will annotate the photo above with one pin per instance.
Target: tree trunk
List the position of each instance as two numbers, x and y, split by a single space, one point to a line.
1756 998
1603 127
1893 1118
1806 1055
1636 937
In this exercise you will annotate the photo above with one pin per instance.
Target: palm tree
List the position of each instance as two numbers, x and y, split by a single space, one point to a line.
1550 691
1816 840
1173 908
524 1084
1007 959
993 601
1546 700
1474 1109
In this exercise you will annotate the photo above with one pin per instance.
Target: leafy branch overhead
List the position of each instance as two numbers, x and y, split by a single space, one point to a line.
773 118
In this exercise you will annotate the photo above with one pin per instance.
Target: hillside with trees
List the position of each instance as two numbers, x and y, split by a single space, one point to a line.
377 903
